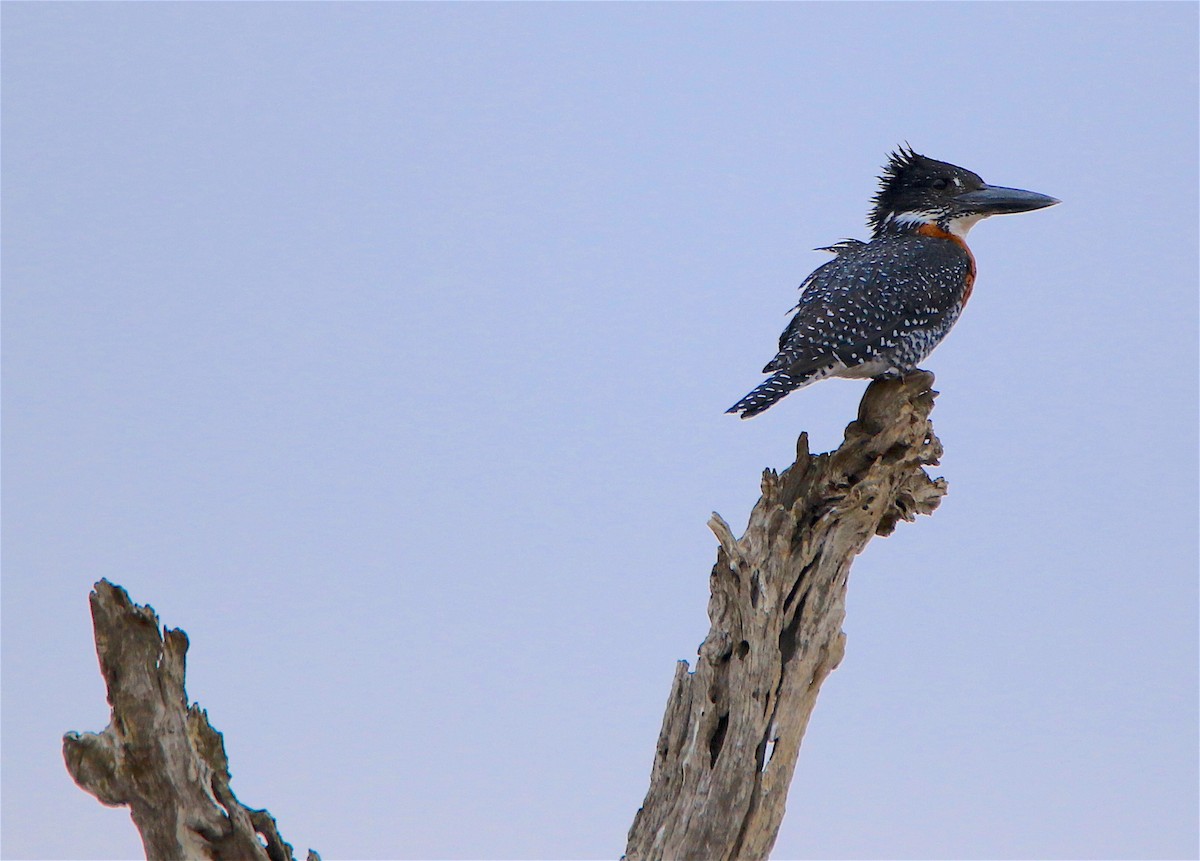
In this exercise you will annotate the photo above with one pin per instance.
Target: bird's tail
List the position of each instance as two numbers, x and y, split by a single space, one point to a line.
770 390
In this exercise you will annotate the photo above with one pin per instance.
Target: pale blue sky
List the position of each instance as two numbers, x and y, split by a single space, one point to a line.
384 349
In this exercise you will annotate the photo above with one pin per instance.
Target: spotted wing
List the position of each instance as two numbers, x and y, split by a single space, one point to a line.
890 300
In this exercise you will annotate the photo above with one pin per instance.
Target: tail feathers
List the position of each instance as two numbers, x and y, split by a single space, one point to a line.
771 390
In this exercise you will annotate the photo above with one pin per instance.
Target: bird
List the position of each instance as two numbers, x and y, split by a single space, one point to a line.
879 307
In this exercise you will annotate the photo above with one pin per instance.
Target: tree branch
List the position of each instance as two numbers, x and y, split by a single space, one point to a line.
732 729
158 756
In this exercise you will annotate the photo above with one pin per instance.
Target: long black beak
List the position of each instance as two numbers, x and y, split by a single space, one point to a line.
998 200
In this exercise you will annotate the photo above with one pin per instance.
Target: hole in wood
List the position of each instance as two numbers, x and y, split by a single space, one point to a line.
718 739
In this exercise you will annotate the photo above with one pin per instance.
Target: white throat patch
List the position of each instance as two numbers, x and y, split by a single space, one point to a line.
956 226
959 226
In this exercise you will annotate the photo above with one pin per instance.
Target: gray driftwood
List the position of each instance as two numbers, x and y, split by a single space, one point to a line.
159 756
732 729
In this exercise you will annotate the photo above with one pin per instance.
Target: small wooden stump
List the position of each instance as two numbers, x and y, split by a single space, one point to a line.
159 756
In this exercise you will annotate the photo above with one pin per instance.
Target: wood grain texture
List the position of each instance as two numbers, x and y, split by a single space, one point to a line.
158 755
733 727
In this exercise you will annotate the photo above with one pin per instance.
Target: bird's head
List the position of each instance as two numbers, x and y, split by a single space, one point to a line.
915 190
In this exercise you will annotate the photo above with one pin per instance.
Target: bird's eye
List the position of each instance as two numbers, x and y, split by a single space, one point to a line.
941 183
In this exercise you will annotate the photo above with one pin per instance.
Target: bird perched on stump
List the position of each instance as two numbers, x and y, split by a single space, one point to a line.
880 307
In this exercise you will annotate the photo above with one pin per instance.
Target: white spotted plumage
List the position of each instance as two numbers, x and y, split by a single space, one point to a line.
882 306
877 308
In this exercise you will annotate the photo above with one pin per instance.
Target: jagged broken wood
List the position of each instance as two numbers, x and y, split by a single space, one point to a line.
732 729
158 755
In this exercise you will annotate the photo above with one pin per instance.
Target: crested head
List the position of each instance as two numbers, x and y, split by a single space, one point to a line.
916 192
916 189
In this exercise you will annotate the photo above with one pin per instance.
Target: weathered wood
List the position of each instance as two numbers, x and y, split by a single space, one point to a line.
158 756
732 729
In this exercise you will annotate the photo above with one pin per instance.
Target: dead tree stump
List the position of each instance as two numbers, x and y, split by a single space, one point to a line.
732 729
158 756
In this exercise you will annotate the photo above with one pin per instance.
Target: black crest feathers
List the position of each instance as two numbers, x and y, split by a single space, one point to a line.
901 162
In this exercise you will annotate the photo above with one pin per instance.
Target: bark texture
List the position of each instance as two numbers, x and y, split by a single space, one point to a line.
158 756
732 729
